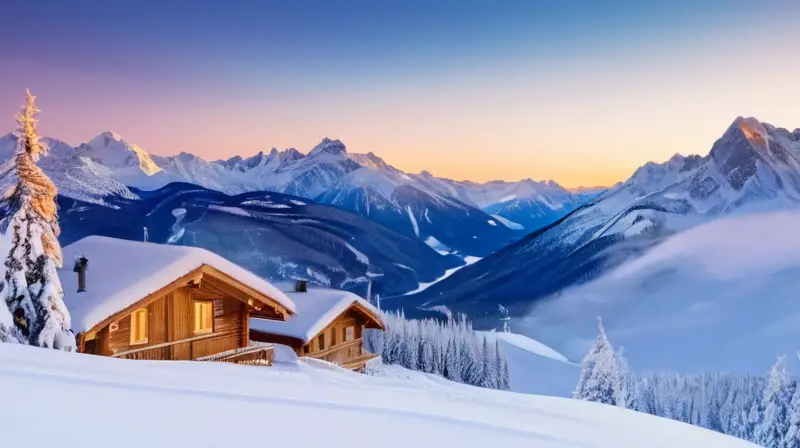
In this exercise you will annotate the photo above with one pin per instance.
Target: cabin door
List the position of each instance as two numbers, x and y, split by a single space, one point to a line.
179 323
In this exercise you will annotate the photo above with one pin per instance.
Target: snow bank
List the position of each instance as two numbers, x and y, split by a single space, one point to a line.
534 368
400 409
122 272
525 343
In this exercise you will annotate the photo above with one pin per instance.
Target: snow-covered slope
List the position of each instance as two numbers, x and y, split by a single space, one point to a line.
74 175
273 235
754 166
722 296
398 409
534 368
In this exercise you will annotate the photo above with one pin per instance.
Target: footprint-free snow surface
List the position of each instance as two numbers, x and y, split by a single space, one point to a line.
534 368
296 405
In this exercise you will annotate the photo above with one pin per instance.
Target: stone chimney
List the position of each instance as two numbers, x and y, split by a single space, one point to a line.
300 286
81 264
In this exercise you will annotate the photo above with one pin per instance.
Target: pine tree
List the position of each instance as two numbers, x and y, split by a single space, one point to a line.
792 439
626 391
599 378
776 404
488 371
31 286
506 378
500 370
470 366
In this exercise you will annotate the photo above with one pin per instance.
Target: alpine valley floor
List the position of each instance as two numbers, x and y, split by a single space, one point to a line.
296 404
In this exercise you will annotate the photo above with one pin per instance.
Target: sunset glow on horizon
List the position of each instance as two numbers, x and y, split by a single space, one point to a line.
576 92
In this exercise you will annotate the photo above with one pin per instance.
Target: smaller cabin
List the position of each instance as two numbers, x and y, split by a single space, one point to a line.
328 326
138 300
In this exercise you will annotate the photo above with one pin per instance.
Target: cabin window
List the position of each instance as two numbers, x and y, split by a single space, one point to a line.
321 341
349 333
306 349
139 326
203 317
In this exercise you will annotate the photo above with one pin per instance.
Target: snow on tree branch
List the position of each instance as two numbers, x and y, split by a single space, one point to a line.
31 286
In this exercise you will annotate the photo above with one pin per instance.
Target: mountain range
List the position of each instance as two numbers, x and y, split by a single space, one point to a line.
533 239
453 217
753 167
331 217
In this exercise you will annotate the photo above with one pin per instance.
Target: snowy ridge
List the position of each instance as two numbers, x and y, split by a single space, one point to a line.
73 174
753 167
525 343
361 183
416 409
273 235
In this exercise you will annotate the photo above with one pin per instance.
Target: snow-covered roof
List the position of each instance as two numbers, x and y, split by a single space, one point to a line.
122 272
316 309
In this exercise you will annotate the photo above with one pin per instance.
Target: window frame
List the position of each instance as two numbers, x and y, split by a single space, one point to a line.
353 329
321 341
136 316
199 304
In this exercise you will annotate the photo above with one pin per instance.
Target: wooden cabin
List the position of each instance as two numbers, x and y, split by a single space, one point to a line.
328 326
139 300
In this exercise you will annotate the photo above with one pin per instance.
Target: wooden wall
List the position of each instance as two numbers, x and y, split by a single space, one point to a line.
334 333
171 319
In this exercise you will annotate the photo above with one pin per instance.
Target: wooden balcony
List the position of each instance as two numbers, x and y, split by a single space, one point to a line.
215 347
350 355
254 355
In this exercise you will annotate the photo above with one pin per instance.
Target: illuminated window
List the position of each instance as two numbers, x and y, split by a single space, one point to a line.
349 333
139 326
203 317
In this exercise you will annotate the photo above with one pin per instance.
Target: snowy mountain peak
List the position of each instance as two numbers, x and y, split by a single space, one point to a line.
754 131
328 146
111 150
105 138
369 160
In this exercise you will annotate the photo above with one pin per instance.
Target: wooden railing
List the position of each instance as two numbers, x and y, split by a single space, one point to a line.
155 353
186 349
258 355
350 355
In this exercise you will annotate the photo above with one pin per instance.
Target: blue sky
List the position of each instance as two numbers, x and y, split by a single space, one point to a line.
408 80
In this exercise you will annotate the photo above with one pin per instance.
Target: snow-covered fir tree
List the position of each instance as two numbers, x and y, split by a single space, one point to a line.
6 326
448 348
626 392
31 286
600 378
488 370
774 426
792 438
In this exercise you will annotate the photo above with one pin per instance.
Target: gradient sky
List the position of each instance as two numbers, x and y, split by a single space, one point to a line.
579 91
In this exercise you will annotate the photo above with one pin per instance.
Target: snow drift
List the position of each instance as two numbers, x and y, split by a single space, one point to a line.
208 404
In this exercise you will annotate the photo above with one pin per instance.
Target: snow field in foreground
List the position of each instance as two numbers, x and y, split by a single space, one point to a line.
141 403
